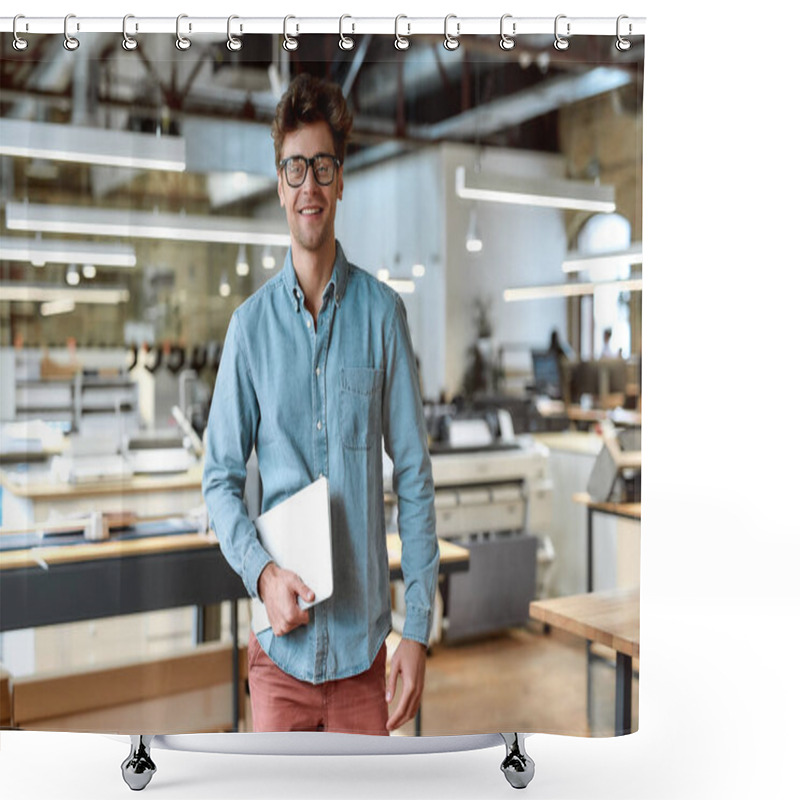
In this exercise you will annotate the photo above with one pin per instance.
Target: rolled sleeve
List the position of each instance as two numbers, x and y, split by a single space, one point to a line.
232 426
406 443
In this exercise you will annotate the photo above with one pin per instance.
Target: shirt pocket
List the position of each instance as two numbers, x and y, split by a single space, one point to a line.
360 406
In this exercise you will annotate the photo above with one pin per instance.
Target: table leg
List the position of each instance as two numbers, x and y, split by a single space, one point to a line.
589 551
199 625
589 693
235 638
622 711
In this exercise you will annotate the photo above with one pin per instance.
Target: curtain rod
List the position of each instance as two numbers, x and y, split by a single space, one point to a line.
402 26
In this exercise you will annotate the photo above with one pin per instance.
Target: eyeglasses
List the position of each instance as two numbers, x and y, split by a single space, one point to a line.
324 166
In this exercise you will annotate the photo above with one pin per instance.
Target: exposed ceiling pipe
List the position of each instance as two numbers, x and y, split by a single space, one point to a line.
54 71
506 112
355 66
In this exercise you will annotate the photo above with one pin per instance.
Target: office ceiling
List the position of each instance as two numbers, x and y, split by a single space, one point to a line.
401 100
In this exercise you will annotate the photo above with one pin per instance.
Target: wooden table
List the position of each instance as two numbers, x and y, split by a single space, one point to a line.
610 618
32 497
70 583
626 510
619 416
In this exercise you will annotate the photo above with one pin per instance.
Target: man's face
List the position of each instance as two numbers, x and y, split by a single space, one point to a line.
310 208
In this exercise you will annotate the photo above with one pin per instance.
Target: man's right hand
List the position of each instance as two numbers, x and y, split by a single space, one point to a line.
279 590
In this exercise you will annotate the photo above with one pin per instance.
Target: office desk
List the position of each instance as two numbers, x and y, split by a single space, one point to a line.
625 510
610 618
30 497
70 583
619 416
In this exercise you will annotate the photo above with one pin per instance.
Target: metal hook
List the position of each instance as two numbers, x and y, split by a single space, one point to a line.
401 42
70 42
507 42
345 42
560 43
451 42
19 43
128 42
623 44
233 44
289 42
181 42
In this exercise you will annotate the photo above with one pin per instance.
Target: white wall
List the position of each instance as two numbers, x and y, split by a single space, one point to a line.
392 215
522 245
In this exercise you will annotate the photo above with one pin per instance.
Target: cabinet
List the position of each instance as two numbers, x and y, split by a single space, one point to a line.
94 397
106 405
51 400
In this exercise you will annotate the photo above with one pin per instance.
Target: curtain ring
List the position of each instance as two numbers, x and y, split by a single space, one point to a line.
507 42
345 42
19 43
70 42
181 42
233 44
289 42
622 44
451 42
401 42
560 43
128 42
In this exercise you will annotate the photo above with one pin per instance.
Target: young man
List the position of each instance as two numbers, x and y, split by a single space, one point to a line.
316 370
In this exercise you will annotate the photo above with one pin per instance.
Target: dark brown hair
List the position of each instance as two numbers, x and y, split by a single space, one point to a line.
309 99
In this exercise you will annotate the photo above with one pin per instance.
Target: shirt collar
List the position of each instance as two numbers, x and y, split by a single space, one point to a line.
337 283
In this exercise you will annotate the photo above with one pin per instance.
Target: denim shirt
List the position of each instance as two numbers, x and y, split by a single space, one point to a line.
317 402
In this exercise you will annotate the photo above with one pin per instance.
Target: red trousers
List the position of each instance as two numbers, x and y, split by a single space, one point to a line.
281 702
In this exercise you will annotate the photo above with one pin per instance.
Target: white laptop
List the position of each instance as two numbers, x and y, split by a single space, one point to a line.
297 534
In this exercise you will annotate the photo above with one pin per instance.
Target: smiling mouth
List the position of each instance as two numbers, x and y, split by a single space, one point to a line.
308 212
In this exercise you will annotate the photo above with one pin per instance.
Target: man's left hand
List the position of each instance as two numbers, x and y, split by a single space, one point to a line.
408 663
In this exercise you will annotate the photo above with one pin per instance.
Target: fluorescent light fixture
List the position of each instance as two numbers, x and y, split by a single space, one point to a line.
568 289
115 148
142 224
63 251
401 286
44 293
418 270
474 242
89 271
267 259
73 276
242 265
53 307
577 261
546 192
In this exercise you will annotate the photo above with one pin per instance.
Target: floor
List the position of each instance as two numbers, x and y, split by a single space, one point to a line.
522 679
518 680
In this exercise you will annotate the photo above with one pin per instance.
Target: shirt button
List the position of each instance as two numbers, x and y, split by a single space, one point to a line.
319 425
318 370
308 323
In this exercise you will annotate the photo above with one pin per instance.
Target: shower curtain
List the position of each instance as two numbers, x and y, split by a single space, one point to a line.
493 181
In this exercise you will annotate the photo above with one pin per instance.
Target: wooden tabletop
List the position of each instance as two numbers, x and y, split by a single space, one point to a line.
91 551
582 442
620 416
632 510
610 617
449 553
55 490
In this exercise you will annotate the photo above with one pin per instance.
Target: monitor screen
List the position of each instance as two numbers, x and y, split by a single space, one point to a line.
546 373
